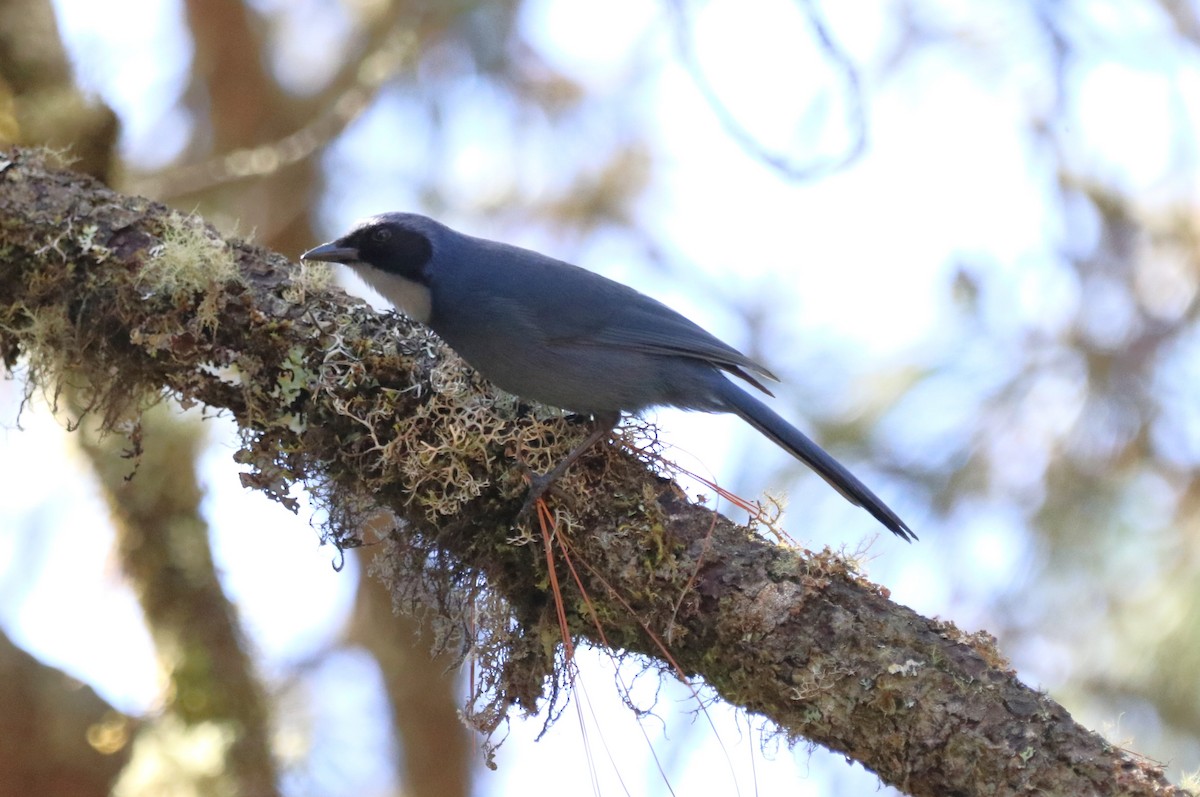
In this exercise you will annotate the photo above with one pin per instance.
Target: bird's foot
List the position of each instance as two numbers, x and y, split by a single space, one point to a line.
539 485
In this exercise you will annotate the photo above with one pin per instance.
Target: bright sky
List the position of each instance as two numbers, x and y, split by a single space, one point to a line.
858 263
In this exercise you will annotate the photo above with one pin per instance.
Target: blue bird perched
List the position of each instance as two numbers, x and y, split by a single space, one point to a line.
555 333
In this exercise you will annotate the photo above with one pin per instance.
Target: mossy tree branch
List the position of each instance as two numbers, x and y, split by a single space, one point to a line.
370 411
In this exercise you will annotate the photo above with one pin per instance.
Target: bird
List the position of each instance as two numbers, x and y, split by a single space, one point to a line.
555 333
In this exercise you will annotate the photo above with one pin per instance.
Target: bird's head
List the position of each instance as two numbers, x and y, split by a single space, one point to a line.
398 243
392 253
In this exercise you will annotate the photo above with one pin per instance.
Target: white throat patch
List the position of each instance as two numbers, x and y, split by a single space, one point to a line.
408 296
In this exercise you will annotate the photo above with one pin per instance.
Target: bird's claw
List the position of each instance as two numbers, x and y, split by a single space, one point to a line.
539 485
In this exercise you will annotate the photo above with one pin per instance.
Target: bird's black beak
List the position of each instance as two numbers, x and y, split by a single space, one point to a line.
331 253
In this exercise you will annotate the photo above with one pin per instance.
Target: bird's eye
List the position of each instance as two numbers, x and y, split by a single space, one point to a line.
381 234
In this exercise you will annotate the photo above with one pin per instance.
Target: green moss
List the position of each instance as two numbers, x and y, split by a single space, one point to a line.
188 259
307 278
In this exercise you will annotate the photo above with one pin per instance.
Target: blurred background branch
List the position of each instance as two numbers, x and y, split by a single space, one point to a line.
785 164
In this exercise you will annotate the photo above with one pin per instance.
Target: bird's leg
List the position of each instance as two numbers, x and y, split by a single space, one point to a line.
539 484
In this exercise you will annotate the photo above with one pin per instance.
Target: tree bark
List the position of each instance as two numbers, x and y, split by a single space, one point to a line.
163 547
59 736
368 410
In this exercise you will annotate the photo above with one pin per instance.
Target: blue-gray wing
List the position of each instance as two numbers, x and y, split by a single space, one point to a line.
646 325
574 306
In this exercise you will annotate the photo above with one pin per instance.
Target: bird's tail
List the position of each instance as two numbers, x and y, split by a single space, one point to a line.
791 439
